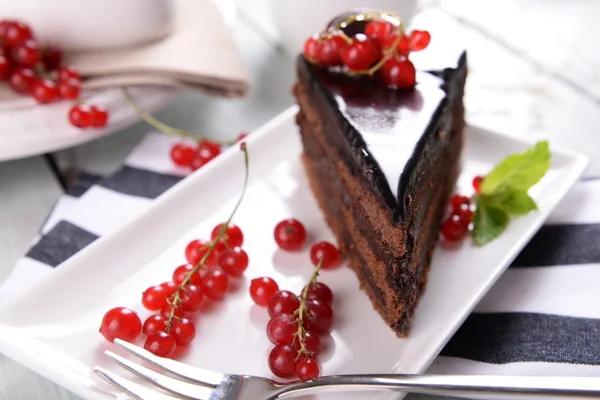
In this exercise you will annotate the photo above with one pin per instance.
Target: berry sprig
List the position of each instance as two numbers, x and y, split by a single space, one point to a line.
193 153
192 283
38 72
499 195
301 316
456 226
297 320
383 46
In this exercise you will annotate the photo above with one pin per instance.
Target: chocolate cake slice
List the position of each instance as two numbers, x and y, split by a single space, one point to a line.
382 164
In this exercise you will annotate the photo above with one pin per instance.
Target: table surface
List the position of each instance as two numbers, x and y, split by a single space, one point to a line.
531 72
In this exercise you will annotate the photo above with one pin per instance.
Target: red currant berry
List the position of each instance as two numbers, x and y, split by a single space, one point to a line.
282 328
465 214
67 72
98 116
170 288
181 273
320 316
454 228
361 54
121 323
51 58
282 361
161 344
328 51
80 115
419 40
191 298
4 24
183 331
14 32
220 247
402 48
69 89
283 301
290 234
399 74
477 183
378 29
154 323
215 284
326 251
458 201
177 311
234 262
242 136
312 343
154 298
319 291
262 289
207 151
22 80
196 163
233 235
27 54
310 48
307 368
4 68
183 154
45 91
196 251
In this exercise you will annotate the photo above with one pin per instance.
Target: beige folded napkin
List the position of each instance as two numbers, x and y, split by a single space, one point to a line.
198 53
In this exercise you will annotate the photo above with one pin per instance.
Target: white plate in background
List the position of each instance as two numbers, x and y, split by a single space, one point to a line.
53 329
28 128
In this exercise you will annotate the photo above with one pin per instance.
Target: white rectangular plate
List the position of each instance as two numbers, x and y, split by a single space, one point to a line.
53 329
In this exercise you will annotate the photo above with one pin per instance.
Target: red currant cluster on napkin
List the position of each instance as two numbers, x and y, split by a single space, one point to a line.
37 71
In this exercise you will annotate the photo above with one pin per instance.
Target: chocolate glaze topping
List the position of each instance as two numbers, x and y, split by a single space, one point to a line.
385 126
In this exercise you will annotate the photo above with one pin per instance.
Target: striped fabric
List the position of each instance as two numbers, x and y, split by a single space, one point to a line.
542 316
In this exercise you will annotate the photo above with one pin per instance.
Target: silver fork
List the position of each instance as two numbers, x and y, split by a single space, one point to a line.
200 384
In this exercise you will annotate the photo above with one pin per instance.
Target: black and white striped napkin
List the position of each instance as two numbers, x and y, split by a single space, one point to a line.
541 317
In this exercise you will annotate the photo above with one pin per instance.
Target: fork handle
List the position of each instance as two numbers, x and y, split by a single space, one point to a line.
519 386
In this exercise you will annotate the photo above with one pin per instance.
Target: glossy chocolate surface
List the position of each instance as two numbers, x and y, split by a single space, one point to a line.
388 124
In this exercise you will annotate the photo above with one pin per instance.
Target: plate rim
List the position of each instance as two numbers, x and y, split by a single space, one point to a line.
12 345
162 97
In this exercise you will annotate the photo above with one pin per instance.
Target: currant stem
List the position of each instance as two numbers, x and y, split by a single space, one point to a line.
176 298
40 71
161 126
329 34
302 308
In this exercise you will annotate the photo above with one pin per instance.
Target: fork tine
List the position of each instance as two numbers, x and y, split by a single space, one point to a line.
177 387
133 389
195 374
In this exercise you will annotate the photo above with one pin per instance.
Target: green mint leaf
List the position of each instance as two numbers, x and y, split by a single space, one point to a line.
513 201
488 222
519 171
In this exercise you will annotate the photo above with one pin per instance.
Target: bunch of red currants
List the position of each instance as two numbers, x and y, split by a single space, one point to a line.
211 264
38 72
383 47
195 156
297 320
456 226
